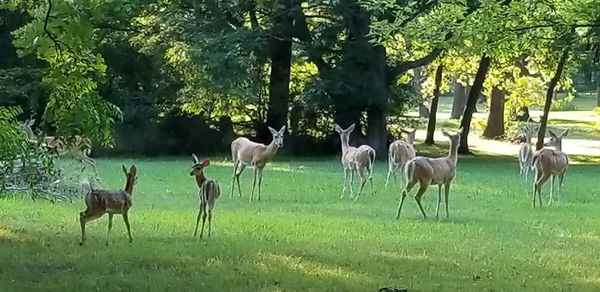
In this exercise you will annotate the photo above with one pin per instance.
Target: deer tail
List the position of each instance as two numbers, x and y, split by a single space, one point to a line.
371 160
409 170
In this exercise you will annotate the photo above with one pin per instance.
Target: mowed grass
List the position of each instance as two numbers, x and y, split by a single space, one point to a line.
302 237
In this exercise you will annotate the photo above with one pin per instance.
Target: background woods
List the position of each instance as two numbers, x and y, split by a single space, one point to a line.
156 76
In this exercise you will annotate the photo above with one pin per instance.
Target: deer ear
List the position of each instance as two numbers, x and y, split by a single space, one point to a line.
194 158
565 133
273 132
551 133
337 128
124 169
351 128
31 122
282 130
461 130
445 133
133 169
205 163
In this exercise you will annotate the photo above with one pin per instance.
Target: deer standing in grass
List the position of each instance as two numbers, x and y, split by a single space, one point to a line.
209 193
355 159
526 151
100 202
549 163
400 153
426 171
245 152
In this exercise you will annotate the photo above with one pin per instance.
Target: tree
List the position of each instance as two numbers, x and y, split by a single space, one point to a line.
434 105
465 123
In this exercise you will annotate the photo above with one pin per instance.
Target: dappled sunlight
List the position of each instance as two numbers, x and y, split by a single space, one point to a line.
270 261
10 234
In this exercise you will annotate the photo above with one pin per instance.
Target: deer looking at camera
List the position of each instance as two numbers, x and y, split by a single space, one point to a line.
526 151
359 159
100 202
245 152
550 163
400 153
209 193
427 171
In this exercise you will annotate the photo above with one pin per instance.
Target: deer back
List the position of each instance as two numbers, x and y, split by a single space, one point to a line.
401 152
116 202
209 193
549 161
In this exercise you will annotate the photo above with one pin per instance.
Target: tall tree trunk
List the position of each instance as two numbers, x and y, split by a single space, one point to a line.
598 88
459 101
495 121
418 87
377 129
465 123
279 83
549 95
434 105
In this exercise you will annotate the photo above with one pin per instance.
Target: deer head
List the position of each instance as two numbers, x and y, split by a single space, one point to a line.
131 177
277 136
410 135
556 140
26 127
344 134
198 167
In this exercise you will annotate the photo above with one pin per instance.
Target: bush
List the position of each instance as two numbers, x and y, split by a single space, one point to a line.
563 104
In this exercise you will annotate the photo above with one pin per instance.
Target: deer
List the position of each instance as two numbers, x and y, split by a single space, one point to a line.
426 171
80 149
355 159
247 153
209 193
100 202
399 153
549 163
526 151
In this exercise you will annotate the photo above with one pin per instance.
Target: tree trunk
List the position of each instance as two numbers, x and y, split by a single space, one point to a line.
598 88
465 123
549 95
279 83
418 87
377 130
434 105
495 121
459 101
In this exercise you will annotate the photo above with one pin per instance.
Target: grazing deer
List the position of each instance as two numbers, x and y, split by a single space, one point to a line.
245 152
549 163
526 151
99 202
80 149
399 153
355 159
209 193
437 171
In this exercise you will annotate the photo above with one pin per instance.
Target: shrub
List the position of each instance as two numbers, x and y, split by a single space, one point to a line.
563 104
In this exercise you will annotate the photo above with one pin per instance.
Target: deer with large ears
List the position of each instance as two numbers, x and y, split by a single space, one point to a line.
400 153
100 202
209 193
426 171
355 159
247 153
549 163
526 150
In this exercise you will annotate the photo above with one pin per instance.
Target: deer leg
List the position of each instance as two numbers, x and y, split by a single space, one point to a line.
254 174
126 220
242 167
418 197
198 220
344 183
260 174
371 182
446 194
209 221
85 217
363 180
409 186
390 172
110 225
351 183
560 182
203 222
233 176
538 188
552 179
437 210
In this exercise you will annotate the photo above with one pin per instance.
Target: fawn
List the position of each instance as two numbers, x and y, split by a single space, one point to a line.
99 202
209 193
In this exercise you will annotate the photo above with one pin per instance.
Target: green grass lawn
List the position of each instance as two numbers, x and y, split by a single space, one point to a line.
302 237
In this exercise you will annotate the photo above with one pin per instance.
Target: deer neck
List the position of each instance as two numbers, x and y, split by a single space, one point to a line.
453 152
129 185
410 140
200 179
271 149
345 144
558 146
528 139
